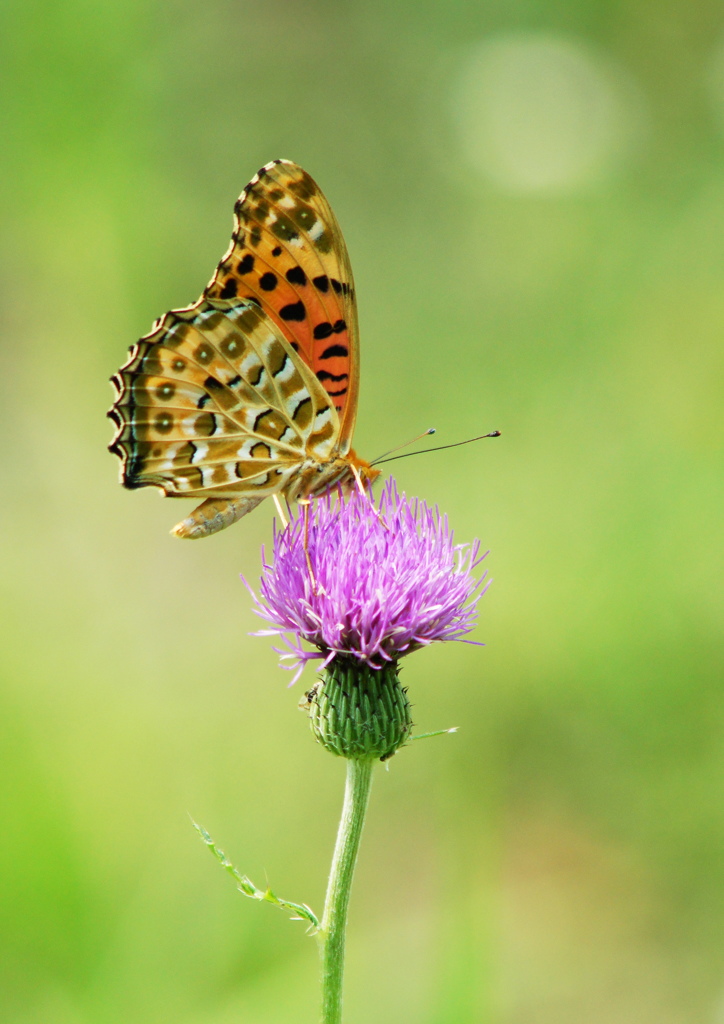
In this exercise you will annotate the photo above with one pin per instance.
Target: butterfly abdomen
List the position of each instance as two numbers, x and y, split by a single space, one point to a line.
213 515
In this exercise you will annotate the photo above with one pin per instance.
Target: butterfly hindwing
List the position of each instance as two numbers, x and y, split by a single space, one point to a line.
287 253
214 401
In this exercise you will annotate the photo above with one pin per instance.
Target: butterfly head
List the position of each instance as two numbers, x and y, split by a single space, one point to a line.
367 473
340 471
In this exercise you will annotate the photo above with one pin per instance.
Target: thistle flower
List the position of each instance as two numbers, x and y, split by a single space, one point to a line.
385 580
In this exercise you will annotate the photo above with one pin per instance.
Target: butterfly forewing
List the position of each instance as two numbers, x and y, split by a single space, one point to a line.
288 254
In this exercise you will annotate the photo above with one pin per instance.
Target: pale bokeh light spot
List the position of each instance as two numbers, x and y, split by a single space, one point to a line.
541 113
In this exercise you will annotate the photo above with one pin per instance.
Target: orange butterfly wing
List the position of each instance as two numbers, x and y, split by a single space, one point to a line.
288 255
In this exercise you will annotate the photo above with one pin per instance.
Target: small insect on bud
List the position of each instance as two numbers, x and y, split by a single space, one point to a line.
307 700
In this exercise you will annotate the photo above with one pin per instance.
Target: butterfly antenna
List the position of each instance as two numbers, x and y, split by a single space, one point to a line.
419 437
440 448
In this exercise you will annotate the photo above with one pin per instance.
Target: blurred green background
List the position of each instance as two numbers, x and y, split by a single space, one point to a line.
533 199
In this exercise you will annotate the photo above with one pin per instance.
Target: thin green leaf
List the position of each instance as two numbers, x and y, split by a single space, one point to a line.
300 911
438 732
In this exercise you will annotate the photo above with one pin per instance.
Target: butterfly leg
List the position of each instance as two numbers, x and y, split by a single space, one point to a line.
305 503
366 496
280 510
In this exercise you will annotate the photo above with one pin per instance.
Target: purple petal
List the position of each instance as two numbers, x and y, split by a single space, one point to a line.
389 580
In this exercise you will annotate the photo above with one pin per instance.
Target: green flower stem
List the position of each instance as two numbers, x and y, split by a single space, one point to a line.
334 922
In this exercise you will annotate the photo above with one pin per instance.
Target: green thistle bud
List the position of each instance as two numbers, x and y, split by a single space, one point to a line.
360 712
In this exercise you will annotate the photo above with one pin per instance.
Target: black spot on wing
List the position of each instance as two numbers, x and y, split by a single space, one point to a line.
322 330
335 350
321 283
295 275
326 375
293 311
245 265
229 289
268 281
336 285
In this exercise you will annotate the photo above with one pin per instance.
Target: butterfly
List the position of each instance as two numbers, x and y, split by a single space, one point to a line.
252 391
